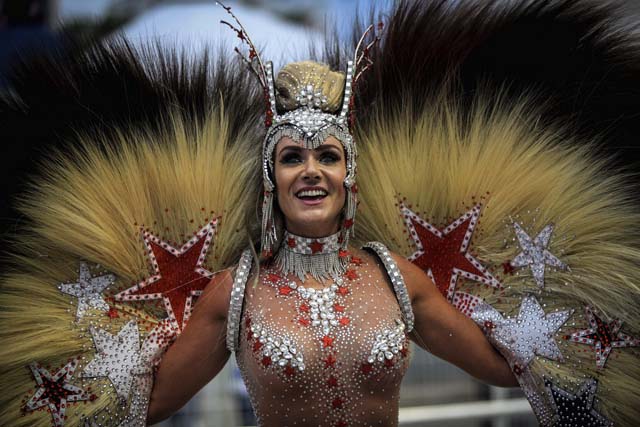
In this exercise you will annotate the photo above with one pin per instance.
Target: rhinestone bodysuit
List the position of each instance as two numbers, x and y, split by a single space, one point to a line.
324 354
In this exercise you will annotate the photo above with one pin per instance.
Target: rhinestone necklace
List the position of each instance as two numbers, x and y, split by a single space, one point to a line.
319 257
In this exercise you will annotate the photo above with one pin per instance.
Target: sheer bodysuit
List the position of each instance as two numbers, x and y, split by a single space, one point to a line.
325 354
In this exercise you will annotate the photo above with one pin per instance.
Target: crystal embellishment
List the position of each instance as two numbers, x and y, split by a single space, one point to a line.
388 343
281 352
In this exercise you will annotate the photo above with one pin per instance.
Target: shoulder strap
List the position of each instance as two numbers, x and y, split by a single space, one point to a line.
237 298
397 281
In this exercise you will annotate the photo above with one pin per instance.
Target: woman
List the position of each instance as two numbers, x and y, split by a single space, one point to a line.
329 372
319 327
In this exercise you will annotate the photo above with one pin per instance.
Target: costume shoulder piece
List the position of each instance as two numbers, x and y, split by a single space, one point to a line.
237 298
399 287
124 231
506 208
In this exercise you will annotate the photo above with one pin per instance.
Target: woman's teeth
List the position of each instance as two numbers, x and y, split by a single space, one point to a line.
311 193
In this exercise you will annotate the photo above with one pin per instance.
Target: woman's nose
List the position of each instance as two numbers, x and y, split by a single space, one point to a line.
311 170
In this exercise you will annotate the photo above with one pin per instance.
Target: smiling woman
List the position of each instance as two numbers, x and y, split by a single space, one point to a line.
483 235
310 186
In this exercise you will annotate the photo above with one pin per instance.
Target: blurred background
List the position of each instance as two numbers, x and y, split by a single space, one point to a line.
434 393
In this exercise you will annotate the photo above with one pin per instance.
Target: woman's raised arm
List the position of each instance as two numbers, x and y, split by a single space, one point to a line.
197 355
445 332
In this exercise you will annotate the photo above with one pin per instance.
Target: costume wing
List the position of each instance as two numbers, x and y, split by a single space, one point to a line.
124 230
489 183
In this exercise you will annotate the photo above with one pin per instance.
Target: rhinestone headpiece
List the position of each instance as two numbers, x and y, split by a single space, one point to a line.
309 121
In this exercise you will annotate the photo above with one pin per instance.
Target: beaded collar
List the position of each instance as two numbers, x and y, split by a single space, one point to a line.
319 257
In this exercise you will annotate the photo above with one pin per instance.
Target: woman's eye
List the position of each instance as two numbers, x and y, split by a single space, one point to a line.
290 158
329 158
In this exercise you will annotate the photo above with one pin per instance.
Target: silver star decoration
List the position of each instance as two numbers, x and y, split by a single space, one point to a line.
122 357
88 290
535 254
525 336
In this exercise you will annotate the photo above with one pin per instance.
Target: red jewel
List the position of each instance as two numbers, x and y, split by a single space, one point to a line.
332 381
343 254
284 290
327 341
337 403
338 308
356 260
304 307
289 371
291 242
489 325
351 274
404 351
113 313
316 247
266 361
249 335
344 321
303 321
343 290
388 363
348 223
366 368
508 268
329 361
273 278
267 122
257 346
247 322
342 423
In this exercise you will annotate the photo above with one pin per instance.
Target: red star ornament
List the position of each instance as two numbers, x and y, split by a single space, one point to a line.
603 336
55 391
178 274
316 247
444 254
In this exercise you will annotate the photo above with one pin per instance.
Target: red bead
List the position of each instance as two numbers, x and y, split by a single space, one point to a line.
284 290
366 368
332 381
351 275
338 308
343 290
327 341
330 361
266 361
344 321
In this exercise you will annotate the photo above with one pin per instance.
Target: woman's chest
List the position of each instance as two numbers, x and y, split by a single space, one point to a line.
344 339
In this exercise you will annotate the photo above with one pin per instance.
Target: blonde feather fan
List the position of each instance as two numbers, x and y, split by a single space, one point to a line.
90 206
443 164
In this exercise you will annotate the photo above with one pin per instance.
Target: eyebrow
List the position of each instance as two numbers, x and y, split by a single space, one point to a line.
321 148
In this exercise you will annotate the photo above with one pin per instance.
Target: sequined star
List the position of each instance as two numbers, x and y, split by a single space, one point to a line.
55 391
115 356
576 409
603 336
178 274
527 335
316 246
88 290
330 361
535 254
327 341
444 254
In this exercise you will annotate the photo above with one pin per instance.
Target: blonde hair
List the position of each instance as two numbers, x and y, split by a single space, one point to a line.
298 75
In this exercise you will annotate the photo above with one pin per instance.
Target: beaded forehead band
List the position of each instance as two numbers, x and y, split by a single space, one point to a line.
307 124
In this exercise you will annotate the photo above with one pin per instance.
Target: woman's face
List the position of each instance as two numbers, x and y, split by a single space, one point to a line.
309 185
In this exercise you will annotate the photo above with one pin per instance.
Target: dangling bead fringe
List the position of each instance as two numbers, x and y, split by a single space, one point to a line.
269 233
320 266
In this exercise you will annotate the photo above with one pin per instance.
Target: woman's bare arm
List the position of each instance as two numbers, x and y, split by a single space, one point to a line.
450 335
198 354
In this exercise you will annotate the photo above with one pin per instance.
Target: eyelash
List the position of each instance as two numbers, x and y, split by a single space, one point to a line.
327 157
